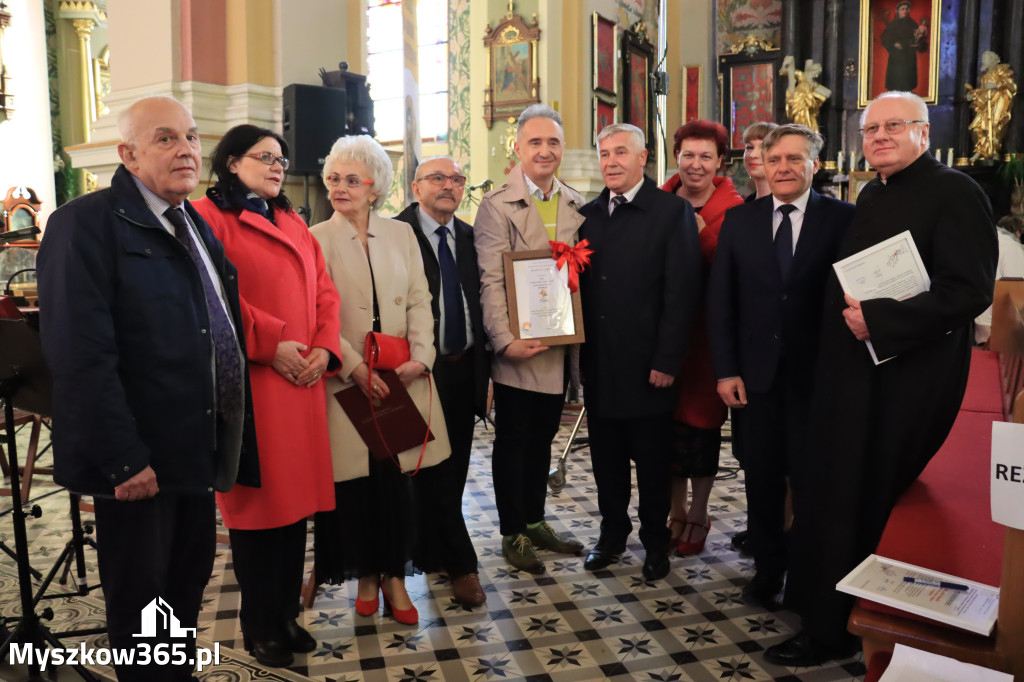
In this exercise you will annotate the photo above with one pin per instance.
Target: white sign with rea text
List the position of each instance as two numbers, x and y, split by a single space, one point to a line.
1008 474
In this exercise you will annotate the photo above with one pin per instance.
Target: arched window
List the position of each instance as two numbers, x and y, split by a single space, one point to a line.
384 67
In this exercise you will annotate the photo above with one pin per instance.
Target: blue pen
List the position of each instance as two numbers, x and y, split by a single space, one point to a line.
931 583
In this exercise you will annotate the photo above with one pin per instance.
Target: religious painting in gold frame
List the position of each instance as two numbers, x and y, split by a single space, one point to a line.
899 48
693 89
513 82
606 63
605 114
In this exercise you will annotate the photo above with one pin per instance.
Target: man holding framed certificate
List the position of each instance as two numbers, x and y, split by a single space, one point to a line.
530 210
874 427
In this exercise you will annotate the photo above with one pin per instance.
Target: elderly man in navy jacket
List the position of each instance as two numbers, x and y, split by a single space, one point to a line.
141 327
764 319
639 297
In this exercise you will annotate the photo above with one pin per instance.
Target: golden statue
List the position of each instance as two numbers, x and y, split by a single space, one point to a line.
804 95
992 102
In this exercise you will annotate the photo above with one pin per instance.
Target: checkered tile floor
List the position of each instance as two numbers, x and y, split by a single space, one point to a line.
567 624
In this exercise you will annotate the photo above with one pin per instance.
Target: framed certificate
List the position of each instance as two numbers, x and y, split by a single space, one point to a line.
540 305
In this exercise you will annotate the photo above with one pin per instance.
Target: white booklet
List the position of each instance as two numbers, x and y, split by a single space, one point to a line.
974 607
913 665
890 269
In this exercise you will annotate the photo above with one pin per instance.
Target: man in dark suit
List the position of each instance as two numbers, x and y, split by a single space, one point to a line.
640 294
461 371
152 412
764 318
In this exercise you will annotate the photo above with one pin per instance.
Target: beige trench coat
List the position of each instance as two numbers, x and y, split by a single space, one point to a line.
403 298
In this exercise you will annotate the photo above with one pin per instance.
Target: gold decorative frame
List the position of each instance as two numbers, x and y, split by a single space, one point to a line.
867 56
857 181
507 44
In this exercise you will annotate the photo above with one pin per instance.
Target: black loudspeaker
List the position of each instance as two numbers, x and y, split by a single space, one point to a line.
313 118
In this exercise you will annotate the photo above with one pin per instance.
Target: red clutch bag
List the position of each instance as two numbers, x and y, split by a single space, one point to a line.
383 351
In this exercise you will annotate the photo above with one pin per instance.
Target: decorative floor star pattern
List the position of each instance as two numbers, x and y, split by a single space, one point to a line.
565 624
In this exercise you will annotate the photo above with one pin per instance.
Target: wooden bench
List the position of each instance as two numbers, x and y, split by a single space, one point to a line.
943 521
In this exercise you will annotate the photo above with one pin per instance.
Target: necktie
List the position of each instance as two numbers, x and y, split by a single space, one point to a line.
227 358
784 240
616 201
451 290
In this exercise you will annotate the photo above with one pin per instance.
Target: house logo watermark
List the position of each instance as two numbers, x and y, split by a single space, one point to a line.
157 618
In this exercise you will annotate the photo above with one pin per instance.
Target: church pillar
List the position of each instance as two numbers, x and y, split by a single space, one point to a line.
832 76
1014 48
966 72
791 29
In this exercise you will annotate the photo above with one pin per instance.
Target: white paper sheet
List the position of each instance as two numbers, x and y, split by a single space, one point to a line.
914 665
890 269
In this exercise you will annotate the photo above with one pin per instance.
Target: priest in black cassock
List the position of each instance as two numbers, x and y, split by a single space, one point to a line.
873 428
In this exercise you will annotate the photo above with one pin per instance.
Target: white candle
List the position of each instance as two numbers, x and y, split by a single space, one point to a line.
839 164
853 161
949 158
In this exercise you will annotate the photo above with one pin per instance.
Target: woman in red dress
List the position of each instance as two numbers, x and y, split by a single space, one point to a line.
702 149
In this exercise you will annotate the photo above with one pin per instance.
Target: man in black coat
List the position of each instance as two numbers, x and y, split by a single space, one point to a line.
873 428
140 324
461 371
640 294
764 319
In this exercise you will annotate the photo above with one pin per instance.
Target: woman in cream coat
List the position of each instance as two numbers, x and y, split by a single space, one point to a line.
376 265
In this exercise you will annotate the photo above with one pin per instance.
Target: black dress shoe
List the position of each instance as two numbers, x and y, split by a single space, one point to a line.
656 565
767 598
802 651
602 556
298 639
741 543
269 652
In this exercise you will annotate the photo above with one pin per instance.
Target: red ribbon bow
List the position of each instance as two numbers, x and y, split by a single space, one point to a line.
577 257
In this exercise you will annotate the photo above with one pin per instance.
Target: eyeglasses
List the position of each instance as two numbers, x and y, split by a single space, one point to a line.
891 127
269 159
438 179
351 181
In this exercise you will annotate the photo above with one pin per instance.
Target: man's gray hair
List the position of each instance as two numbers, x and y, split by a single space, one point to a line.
814 140
922 108
436 157
126 127
539 111
367 151
635 134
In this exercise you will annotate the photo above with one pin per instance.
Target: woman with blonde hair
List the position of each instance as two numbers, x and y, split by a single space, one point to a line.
377 267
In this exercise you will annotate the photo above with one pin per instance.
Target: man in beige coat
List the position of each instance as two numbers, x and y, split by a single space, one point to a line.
524 214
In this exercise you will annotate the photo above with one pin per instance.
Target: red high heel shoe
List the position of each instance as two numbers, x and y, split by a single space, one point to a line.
367 608
409 616
673 540
686 547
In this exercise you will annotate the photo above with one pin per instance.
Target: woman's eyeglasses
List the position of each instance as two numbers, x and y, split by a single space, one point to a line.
351 181
269 159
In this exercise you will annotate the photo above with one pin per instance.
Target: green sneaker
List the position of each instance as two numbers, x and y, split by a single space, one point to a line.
520 553
545 537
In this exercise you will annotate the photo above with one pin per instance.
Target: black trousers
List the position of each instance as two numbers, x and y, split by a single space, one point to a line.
160 548
268 564
646 441
443 541
525 423
771 428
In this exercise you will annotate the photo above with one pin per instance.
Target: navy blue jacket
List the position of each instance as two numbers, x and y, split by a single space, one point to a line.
640 296
754 319
123 325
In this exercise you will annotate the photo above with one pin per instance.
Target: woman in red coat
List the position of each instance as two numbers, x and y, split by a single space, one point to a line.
702 149
292 334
